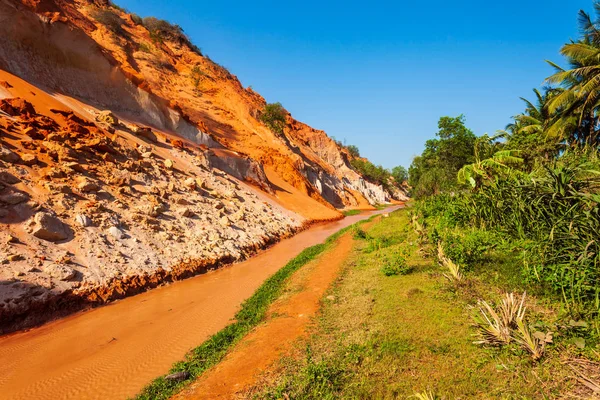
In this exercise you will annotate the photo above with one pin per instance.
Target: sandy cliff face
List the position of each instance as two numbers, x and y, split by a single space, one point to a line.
218 108
126 162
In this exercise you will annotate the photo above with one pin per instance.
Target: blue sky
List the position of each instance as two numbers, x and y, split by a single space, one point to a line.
379 75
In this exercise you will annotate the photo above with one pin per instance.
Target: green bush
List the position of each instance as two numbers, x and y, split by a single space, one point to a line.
467 249
395 265
161 30
196 75
360 234
145 48
353 150
554 213
274 117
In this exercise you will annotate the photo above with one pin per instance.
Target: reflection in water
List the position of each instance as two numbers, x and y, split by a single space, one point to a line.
113 351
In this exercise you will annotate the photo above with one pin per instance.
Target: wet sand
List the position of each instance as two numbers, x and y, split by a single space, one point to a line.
112 352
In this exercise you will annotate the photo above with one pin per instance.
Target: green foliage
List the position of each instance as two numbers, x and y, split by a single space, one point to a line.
359 234
491 162
353 150
373 173
395 264
466 248
274 117
435 170
197 75
161 30
145 47
574 109
349 213
553 214
400 174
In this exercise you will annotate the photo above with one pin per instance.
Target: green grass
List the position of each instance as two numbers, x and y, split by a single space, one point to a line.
349 213
383 206
394 336
252 312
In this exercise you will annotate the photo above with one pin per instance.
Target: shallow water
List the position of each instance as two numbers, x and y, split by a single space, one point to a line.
112 352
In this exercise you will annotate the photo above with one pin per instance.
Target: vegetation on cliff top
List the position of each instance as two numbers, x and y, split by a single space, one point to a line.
274 117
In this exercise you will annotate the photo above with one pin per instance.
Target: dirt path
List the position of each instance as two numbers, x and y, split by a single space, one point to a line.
288 320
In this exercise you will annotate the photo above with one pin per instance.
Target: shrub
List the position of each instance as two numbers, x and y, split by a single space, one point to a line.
273 116
353 150
145 48
117 7
196 75
467 249
161 30
396 265
109 19
359 233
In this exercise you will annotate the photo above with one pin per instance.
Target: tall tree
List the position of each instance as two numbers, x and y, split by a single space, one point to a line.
435 170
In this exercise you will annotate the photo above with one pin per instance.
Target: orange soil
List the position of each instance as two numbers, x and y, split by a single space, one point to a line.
363 204
296 201
288 321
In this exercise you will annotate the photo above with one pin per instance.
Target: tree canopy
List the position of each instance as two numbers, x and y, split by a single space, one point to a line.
435 169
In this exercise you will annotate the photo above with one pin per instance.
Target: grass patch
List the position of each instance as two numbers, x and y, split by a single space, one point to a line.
349 213
253 311
392 335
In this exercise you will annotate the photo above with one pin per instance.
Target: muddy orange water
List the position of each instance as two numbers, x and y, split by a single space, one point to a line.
112 352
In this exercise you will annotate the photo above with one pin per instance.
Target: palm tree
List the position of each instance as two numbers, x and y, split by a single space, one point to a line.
578 105
490 161
538 130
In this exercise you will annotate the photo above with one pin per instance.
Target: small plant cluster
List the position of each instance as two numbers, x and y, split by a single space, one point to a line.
359 234
274 117
396 265
196 74
161 30
501 326
466 249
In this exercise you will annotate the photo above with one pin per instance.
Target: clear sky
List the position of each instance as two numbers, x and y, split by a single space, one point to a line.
380 74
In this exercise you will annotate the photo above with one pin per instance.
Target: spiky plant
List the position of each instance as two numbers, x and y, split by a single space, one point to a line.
529 342
495 327
492 327
426 395
510 308
454 274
